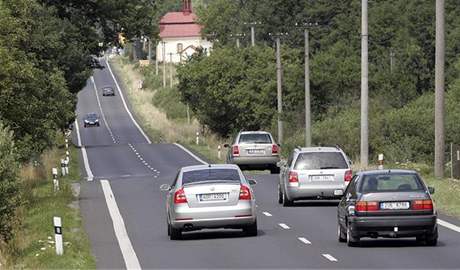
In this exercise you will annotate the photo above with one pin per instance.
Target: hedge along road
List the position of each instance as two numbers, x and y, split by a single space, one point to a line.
124 210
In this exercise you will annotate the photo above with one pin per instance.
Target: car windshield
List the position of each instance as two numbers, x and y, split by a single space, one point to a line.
320 161
91 116
255 138
108 89
390 183
210 175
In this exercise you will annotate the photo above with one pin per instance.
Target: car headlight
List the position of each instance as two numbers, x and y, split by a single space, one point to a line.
97 120
86 121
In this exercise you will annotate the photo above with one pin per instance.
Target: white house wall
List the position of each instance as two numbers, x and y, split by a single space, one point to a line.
171 47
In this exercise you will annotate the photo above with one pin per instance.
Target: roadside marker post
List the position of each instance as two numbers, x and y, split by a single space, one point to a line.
66 144
54 171
380 161
219 152
197 138
67 155
62 167
66 164
58 235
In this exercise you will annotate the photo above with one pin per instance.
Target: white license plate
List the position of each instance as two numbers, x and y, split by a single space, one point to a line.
256 151
394 205
213 197
322 178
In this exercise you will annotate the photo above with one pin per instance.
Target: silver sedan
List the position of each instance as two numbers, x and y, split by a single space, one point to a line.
210 196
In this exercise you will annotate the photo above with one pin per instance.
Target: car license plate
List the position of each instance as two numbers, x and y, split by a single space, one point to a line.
256 151
394 205
213 197
322 178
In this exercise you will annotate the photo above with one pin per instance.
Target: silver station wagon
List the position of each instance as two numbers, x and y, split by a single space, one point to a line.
254 150
314 173
210 196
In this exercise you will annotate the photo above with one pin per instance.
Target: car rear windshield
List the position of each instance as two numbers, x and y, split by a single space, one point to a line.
207 175
255 138
390 183
320 161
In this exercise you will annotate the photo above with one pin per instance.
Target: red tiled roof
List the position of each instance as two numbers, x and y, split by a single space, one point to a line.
179 24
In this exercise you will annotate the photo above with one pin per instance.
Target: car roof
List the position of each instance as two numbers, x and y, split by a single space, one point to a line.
254 132
387 171
107 86
209 166
318 149
91 114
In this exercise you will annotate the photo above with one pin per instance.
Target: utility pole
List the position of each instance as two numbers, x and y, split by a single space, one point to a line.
364 86
253 32
170 70
150 50
238 42
164 63
279 89
439 92
307 92
392 55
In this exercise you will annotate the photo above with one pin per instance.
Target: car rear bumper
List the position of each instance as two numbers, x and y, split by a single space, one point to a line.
306 192
229 222
392 226
272 160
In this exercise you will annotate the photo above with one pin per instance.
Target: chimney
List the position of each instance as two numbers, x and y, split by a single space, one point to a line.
187 6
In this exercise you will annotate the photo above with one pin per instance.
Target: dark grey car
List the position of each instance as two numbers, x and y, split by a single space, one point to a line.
387 203
91 119
108 91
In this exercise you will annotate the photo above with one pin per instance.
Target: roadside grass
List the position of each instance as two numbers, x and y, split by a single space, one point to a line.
33 246
154 118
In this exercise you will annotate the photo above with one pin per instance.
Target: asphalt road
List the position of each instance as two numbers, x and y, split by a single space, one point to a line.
124 211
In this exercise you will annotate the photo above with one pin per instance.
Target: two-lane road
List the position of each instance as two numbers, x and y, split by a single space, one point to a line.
124 210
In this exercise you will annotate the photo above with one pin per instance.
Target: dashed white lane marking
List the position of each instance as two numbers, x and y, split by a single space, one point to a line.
127 250
284 226
329 257
102 111
449 225
267 214
126 106
304 240
191 154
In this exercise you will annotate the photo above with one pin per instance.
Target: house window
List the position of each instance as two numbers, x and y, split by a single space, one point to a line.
180 47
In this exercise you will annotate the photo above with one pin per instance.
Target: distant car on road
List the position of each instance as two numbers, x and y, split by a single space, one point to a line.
314 173
108 91
387 203
91 119
210 196
254 150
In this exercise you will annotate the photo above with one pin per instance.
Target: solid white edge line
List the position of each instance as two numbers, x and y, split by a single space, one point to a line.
125 105
304 240
89 173
191 154
329 257
449 225
78 133
284 226
267 214
127 250
100 108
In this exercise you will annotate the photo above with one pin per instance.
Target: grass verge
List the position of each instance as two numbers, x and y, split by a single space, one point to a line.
158 125
33 246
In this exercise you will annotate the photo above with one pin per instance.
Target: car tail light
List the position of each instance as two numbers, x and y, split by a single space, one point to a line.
275 149
348 176
422 205
179 196
363 206
245 193
293 178
235 150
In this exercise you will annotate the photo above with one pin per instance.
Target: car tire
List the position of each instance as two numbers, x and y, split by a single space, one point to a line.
432 238
286 201
280 195
175 234
97 124
341 235
251 230
351 240
169 228
275 170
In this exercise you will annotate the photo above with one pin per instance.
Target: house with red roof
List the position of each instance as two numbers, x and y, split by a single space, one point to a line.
180 35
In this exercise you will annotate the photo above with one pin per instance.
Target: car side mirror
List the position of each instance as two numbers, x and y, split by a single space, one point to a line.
226 145
252 182
165 187
278 144
431 190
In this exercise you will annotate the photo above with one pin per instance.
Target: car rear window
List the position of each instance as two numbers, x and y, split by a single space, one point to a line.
390 183
255 138
320 161
210 175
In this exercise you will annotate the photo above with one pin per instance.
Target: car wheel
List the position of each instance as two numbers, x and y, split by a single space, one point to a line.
275 170
175 234
169 228
341 235
280 195
97 124
84 125
251 230
286 201
351 240
432 238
